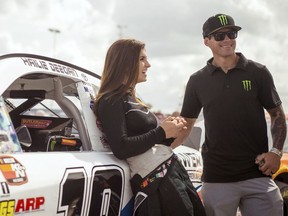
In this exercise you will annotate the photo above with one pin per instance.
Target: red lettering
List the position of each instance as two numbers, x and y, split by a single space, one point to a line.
39 201
30 203
20 206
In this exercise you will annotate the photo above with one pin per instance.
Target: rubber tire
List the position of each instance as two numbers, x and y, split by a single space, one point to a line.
284 194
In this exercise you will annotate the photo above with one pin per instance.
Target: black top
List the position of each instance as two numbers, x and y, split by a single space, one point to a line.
130 128
235 125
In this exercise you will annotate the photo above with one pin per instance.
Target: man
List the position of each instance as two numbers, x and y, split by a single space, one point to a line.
233 92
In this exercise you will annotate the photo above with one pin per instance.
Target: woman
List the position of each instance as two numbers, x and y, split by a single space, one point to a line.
158 180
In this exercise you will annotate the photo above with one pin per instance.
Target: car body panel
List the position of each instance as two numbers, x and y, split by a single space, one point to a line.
282 174
40 186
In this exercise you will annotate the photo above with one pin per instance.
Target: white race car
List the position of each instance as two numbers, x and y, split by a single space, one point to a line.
57 165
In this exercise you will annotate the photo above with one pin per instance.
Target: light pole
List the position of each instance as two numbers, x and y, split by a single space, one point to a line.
54 31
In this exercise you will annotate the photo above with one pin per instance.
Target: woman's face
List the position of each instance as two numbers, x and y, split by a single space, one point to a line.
143 66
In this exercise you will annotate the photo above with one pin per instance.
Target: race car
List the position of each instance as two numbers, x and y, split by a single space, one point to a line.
281 179
52 158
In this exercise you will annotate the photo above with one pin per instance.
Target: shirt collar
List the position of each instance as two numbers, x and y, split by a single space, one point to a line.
241 64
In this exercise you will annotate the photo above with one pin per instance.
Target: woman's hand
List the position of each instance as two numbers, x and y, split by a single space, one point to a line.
173 125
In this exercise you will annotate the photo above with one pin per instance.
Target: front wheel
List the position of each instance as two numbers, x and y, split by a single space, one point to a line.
284 193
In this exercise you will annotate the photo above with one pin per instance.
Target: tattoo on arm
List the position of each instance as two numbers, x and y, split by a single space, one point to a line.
278 127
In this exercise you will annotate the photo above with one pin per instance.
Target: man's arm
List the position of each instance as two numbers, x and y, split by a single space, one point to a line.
269 162
278 127
182 136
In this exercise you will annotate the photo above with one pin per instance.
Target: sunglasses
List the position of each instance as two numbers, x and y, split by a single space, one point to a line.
220 36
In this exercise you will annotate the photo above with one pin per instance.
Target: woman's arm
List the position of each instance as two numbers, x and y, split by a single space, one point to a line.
112 118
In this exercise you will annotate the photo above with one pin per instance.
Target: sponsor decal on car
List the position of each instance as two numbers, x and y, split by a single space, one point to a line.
7 207
42 64
13 207
30 204
13 171
36 123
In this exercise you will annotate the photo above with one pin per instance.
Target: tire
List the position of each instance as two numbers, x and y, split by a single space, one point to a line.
284 194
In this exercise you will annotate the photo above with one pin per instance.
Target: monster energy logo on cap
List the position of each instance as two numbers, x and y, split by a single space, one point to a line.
223 19
217 22
246 85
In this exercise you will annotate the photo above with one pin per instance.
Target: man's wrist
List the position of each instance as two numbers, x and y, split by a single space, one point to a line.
276 151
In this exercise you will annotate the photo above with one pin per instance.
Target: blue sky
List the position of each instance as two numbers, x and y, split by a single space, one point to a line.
171 30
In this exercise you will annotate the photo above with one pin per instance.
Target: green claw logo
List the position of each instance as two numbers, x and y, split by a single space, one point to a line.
223 20
246 85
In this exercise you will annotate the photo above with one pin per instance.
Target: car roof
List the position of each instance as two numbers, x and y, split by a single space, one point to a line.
30 67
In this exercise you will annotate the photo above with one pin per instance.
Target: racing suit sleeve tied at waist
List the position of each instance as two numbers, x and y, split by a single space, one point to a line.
145 163
165 191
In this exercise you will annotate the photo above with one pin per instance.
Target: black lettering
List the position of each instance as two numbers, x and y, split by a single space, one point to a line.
63 69
5 188
72 72
49 65
43 65
35 63
25 61
57 68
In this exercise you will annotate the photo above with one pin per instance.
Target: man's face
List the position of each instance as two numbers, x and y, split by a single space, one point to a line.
222 42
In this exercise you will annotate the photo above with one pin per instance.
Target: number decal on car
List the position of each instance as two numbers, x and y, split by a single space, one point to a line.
98 194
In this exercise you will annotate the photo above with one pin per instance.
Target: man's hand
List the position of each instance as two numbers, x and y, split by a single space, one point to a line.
268 163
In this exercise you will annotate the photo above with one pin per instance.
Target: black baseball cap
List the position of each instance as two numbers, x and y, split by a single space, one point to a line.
217 22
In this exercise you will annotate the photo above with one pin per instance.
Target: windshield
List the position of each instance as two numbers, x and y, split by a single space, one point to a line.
9 142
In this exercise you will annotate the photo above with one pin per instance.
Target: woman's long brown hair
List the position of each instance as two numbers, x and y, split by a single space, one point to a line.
121 70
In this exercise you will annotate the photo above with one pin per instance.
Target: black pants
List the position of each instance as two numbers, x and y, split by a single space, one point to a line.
171 195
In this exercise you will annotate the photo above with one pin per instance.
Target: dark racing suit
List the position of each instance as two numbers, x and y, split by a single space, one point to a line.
171 195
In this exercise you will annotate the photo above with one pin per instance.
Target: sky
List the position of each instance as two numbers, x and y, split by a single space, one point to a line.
81 31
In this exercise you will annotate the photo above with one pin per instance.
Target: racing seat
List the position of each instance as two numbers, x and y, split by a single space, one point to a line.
42 128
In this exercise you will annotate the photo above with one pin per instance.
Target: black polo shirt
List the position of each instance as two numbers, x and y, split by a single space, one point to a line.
233 108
